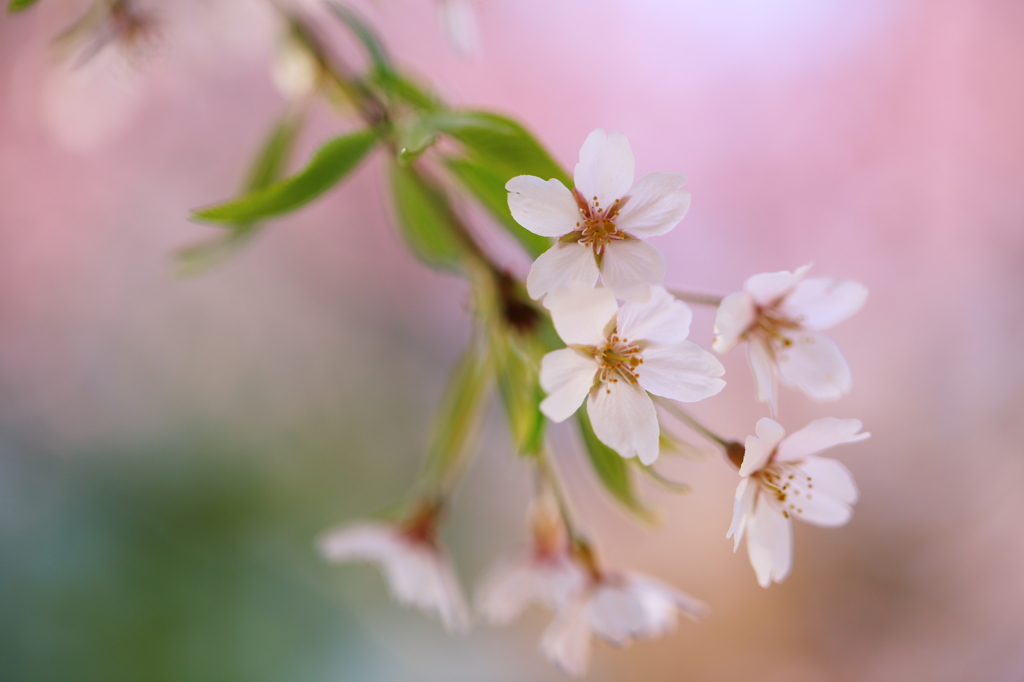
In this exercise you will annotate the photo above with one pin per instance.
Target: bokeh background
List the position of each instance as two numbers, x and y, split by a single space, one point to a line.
170 447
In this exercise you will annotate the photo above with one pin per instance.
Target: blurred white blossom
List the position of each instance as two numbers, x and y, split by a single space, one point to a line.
784 479
617 607
542 573
601 224
615 356
780 316
417 569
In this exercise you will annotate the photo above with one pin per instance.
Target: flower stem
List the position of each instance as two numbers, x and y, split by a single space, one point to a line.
697 298
733 450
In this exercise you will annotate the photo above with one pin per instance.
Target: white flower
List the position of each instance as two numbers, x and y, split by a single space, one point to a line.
601 223
418 571
783 479
458 23
526 577
543 573
780 315
617 607
615 356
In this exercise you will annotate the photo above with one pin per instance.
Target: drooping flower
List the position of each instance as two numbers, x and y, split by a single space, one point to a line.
417 569
780 316
543 573
617 607
601 224
783 479
615 356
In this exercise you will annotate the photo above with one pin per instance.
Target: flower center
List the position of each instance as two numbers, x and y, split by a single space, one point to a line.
596 227
618 360
771 325
788 485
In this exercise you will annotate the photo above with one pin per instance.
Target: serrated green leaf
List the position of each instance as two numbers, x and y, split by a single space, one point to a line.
460 415
19 5
498 142
611 469
425 217
362 31
328 166
488 186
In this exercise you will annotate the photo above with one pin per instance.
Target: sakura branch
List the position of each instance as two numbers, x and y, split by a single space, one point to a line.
591 322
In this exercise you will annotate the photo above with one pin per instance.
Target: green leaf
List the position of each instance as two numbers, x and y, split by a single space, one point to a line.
498 149
500 143
269 166
460 416
611 469
329 165
371 43
401 89
413 137
426 219
272 160
519 386
488 186
19 5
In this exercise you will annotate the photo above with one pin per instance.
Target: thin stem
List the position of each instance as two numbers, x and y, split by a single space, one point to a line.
733 450
697 298
675 411
549 475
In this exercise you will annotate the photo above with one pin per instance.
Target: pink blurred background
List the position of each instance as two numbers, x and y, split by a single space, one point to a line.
881 140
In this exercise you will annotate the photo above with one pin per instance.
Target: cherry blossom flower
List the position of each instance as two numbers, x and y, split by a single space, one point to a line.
780 315
458 23
782 480
601 224
542 573
615 356
417 569
617 607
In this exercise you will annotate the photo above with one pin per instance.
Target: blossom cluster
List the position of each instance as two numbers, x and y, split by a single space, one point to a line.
625 354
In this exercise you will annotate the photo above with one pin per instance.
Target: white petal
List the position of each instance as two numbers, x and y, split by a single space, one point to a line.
662 601
823 303
742 508
735 315
566 641
563 265
655 204
762 365
606 167
567 375
769 543
684 372
580 314
359 541
814 365
631 267
625 420
819 435
819 509
769 287
758 450
424 578
543 207
458 21
830 478
615 614
523 579
662 319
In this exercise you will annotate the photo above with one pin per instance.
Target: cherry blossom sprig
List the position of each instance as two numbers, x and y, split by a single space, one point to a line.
590 323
